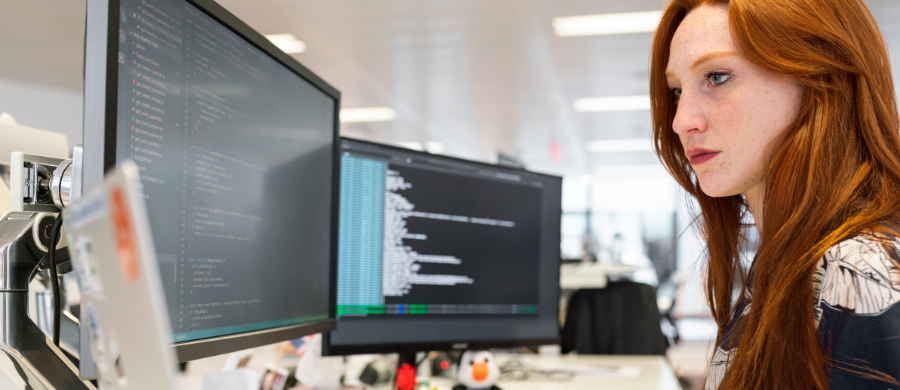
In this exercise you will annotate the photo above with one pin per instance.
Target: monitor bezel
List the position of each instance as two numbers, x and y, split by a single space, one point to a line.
355 349
100 109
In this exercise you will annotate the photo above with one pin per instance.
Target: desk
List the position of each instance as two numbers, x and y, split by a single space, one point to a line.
655 374
592 275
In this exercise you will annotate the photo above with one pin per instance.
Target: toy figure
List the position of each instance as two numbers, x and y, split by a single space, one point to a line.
478 370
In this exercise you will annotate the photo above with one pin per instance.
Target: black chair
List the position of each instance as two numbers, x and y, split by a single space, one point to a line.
621 319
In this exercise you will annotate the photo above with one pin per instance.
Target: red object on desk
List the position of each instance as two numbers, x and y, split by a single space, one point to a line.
406 377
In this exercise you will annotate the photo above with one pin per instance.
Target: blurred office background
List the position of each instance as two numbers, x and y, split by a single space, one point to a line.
483 80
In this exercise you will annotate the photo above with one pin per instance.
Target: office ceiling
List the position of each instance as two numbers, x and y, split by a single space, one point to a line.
478 76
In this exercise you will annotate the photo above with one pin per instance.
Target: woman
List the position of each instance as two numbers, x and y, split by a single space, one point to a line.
785 110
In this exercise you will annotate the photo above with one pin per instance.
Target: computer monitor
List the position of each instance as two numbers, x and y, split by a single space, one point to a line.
236 146
439 253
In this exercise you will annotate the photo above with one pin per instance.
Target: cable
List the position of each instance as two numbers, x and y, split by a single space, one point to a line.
515 368
54 278
421 360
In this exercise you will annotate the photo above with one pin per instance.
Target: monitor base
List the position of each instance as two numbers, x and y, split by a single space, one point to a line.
406 371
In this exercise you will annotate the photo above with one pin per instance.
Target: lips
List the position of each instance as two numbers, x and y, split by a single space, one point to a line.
699 155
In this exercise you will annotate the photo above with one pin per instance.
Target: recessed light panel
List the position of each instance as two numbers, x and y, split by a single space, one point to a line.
414 145
367 114
288 43
613 103
604 24
620 145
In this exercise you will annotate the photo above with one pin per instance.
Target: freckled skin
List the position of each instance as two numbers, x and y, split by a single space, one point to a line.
739 117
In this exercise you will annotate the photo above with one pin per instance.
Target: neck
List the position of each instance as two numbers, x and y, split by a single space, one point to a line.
754 198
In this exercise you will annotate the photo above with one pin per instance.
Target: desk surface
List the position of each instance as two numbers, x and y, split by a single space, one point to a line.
593 275
655 372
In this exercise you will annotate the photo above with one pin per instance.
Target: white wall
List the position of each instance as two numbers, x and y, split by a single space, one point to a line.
48 108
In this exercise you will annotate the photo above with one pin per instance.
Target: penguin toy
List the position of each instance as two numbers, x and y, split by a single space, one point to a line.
478 370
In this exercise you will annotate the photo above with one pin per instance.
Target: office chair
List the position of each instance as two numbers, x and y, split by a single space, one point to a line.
621 319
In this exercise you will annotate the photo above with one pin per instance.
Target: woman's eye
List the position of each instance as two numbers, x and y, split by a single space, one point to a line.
676 92
718 78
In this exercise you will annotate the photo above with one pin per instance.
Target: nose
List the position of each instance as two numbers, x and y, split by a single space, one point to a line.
479 371
689 117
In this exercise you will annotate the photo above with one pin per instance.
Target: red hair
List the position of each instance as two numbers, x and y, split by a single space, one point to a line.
834 173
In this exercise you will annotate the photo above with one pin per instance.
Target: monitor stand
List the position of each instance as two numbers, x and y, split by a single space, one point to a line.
406 371
32 357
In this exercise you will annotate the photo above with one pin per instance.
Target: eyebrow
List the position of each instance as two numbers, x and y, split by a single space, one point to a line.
704 58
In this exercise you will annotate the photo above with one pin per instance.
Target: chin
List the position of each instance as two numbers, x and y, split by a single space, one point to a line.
716 189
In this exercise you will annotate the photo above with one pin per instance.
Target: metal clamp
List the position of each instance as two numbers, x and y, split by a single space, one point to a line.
61 184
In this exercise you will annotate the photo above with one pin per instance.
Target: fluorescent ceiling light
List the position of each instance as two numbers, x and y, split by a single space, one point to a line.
623 23
613 103
630 171
367 114
434 147
620 145
411 145
288 43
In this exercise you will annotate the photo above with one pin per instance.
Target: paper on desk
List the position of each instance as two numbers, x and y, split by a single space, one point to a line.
597 371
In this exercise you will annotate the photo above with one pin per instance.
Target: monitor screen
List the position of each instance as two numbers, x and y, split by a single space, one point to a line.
436 250
235 143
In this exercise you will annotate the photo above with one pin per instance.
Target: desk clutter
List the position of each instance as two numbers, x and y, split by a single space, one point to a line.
516 371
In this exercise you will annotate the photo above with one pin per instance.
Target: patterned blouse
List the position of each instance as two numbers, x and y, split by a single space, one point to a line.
857 287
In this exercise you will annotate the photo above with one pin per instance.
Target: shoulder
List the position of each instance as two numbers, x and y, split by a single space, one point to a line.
859 275
717 367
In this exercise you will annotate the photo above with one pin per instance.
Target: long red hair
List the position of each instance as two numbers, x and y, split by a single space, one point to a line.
834 173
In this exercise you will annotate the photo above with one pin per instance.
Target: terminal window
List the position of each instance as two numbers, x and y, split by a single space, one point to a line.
215 125
424 235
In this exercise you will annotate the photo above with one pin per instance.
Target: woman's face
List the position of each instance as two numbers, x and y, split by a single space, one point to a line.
729 110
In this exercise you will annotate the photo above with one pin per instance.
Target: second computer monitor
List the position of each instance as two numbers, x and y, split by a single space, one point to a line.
439 253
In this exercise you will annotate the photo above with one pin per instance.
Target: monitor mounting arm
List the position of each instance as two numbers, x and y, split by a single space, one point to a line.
40 187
